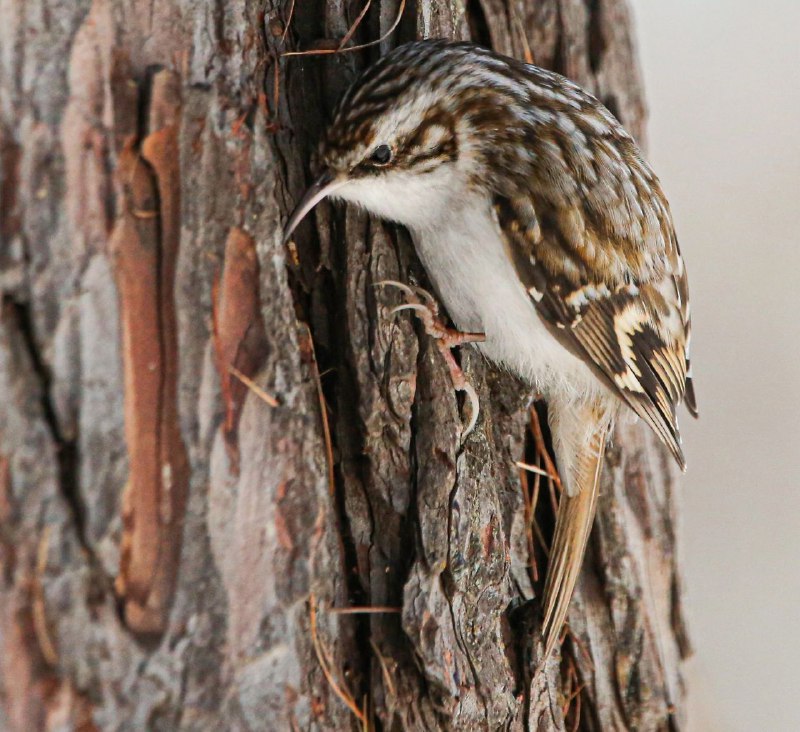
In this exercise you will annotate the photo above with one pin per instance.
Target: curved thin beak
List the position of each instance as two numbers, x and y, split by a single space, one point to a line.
321 188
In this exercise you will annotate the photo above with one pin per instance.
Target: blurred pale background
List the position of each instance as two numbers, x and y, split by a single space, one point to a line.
723 83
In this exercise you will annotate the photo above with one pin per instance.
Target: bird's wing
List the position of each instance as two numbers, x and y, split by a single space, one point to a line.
588 228
621 306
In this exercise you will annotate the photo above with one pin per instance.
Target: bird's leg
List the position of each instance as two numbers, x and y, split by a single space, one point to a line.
427 310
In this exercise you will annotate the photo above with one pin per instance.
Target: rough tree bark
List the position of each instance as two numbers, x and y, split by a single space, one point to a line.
172 547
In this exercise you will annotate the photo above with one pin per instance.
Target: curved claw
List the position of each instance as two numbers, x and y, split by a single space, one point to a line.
394 283
475 407
419 307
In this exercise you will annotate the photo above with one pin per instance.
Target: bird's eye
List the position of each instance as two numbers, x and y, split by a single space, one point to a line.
381 155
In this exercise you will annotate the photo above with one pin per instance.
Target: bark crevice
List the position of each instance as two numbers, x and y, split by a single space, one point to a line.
66 448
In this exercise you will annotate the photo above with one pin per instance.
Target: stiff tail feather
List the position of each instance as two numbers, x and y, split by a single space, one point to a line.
576 510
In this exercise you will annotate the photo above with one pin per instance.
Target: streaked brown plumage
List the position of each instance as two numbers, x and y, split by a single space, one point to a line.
541 225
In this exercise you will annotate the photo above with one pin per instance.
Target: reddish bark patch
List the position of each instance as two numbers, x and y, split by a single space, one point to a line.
22 669
8 550
239 335
5 489
144 248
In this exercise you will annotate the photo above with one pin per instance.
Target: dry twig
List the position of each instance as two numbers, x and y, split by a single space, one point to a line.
364 610
527 53
326 666
528 468
323 408
288 22
541 448
576 687
255 388
329 51
387 677
553 479
529 506
40 629
352 29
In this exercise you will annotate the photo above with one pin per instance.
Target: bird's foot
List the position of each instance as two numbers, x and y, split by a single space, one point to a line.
426 309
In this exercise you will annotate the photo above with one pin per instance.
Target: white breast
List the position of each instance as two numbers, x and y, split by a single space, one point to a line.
465 258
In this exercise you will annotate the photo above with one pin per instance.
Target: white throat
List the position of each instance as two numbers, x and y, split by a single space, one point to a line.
416 200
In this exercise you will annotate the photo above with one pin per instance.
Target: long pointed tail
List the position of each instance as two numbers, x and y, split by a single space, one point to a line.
580 438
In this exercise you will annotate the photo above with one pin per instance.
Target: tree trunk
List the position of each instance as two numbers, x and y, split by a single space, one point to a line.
173 546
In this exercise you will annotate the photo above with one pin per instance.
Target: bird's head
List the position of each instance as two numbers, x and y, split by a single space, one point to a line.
405 139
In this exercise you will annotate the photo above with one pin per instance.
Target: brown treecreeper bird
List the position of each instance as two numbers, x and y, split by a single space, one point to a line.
540 226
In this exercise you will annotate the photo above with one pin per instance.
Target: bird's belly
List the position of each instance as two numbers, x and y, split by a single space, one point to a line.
479 286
